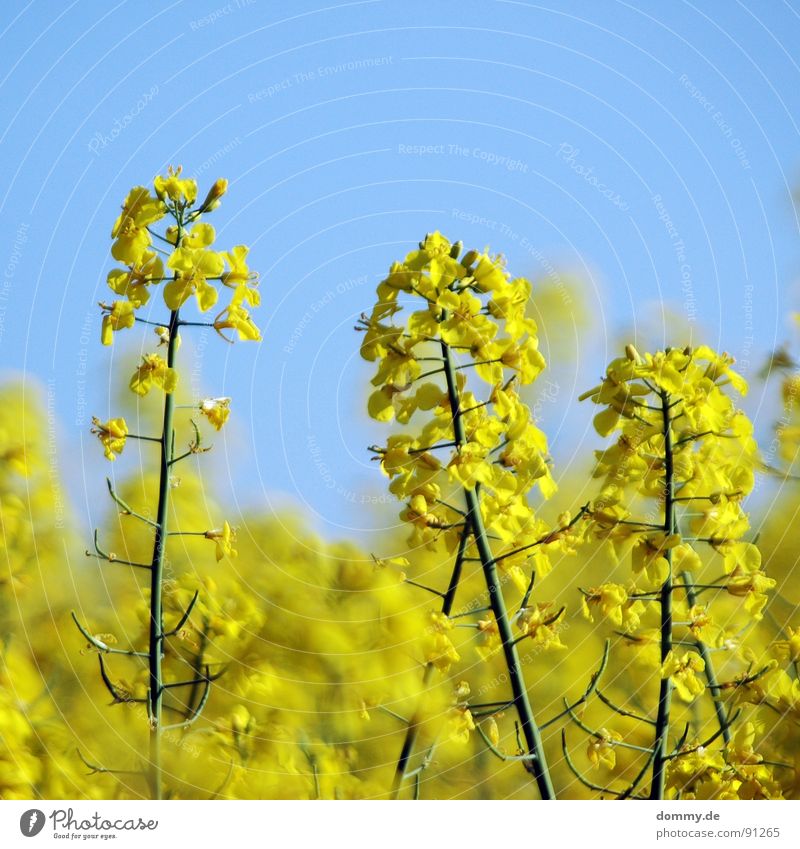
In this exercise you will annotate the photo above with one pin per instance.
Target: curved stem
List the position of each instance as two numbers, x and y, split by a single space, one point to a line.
665 689
538 765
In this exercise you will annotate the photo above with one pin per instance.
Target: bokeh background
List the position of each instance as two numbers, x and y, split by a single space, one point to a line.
636 160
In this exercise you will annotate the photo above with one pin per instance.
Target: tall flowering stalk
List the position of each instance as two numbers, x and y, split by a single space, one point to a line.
466 472
195 271
684 447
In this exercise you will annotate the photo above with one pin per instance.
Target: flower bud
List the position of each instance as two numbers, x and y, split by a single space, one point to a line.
469 258
632 354
214 194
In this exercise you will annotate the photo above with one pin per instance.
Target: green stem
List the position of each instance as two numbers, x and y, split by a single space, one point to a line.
537 765
665 690
156 642
710 673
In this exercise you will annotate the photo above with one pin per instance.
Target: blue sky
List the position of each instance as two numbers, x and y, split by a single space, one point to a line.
648 148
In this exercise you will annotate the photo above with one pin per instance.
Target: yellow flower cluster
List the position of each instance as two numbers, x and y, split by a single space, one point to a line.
677 402
453 347
682 443
735 772
185 249
474 312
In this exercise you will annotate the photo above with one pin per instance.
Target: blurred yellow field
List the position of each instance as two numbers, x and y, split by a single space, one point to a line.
509 640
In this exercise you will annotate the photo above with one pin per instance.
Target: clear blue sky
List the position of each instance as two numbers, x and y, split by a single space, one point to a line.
649 147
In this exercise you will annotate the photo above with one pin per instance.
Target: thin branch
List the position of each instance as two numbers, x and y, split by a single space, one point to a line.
97 770
626 794
622 711
390 712
424 587
185 617
198 710
119 698
593 682
704 744
151 323
598 735
111 557
502 755
527 597
194 681
578 774
100 645
549 537
127 510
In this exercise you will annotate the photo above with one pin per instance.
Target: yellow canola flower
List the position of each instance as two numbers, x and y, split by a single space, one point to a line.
179 189
506 514
193 264
753 587
139 210
439 650
235 317
601 749
719 368
683 672
541 625
523 358
216 410
703 626
398 368
723 521
490 274
667 369
470 465
740 749
459 725
112 434
116 316
200 236
649 555
510 304
223 539
788 650
739 556
153 371
380 404
611 599
132 282
428 397
786 691
164 336
707 408
239 273
700 774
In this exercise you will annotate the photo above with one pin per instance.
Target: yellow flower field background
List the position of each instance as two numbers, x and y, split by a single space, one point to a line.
510 640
